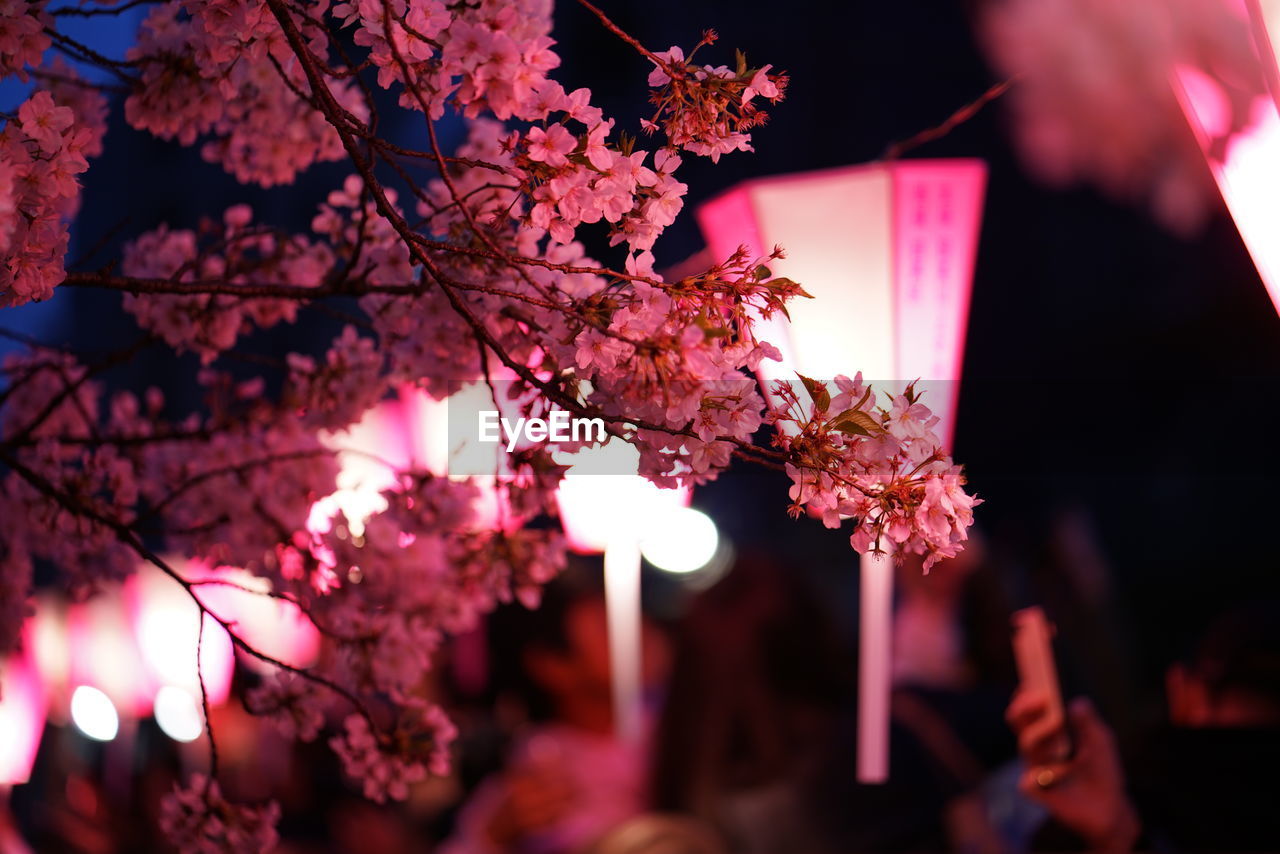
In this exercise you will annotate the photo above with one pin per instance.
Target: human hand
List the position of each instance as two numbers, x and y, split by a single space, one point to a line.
1085 792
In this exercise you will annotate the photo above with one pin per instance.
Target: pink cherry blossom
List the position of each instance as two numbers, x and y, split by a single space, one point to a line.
45 122
22 36
198 819
550 146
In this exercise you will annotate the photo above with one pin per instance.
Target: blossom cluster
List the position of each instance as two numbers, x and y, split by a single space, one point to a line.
882 466
236 253
708 109
41 154
222 68
22 35
52 409
197 818
423 732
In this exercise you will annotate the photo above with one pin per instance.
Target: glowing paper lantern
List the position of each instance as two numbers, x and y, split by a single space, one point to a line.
50 647
369 454
446 439
415 431
22 715
167 629
887 250
606 506
104 655
272 626
1245 160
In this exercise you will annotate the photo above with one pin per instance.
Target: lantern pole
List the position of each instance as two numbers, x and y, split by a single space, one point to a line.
875 660
623 608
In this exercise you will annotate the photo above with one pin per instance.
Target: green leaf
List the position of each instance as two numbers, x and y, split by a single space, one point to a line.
817 393
782 283
856 422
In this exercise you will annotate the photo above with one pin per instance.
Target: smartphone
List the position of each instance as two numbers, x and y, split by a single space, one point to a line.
1033 652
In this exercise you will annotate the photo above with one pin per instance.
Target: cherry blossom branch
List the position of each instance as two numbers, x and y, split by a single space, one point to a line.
33 343
227 471
247 290
84 53
70 387
204 699
71 80
258 290
335 115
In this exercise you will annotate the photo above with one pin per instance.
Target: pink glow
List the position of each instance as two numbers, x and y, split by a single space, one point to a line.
166 629
599 509
430 427
369 454
1245 161
50 648
887 250
272 626
105 655
937 217
1264 20
22 715
412 431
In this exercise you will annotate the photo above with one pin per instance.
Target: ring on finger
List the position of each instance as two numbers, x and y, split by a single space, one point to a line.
1046 778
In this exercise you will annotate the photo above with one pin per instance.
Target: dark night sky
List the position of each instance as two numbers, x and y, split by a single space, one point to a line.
1111 366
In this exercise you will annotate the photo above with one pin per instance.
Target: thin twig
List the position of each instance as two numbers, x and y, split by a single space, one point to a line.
959 117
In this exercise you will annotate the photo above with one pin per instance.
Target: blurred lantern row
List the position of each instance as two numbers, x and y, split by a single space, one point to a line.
131 651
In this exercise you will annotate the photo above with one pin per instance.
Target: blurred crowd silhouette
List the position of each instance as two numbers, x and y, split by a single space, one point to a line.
751 693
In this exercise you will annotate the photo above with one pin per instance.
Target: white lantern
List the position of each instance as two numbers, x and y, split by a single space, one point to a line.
887 251
1244 154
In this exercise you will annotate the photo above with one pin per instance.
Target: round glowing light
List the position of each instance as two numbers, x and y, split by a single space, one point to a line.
178 714
680 540
94 714
603 501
